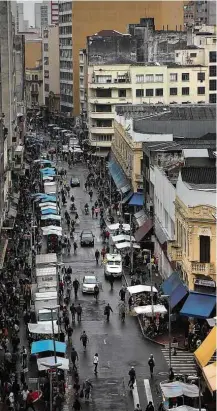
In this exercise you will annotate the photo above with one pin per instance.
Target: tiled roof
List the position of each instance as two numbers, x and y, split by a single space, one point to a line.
179 145
199 175
208 136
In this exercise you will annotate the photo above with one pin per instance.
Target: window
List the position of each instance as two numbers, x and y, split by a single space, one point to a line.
139 93
185 91
46 73
212 71
177 54
159 92
149 78
200 76
36 77
159 78
149 92
173 77
103 93
185 76
103 79
46 61
212 98
139 78
212 85
122 92
212 56
204 249
193 54
173 91
45 46
200 90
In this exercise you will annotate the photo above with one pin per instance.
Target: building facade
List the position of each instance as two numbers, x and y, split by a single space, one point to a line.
46 13
19 22
194 248
199 12
65 53
109 85
51 69
33 52
34 86
83 81
90 17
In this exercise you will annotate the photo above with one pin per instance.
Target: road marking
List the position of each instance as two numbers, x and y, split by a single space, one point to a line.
148 391
109 364
104 341
135 395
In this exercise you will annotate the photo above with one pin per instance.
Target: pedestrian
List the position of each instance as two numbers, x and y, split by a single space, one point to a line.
73 311
77 405
111 280
74 357
108 311
79 312
91 195
122 293
84 338
69 333
138 408
76 285
24 357
92 211
132 375
97 255
96 292
75 247
103 253
151 363
95 362
149 407
86 388
130 302
171 374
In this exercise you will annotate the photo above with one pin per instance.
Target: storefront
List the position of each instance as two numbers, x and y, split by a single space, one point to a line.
204 284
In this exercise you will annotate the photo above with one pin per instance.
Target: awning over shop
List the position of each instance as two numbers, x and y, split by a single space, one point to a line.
141 217
148 310
137 200
42 328
137 289
174 287
209 373
126 244
122 237
47 345
178 388
46 258
206 350
127 197
3 249
118 176
46 271
160 233
198 305
143 230
48 211
51 361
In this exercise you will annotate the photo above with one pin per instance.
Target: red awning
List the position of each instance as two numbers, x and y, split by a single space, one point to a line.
143 230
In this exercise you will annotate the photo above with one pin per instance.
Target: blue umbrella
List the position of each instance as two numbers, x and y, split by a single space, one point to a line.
47 345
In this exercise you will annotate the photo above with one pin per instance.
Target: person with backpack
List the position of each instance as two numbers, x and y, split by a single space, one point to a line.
84 338
73 311
150 406
151 363
107 311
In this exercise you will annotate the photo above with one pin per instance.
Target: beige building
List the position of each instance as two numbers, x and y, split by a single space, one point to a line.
109 85
33 52
194 248
34 86
51 68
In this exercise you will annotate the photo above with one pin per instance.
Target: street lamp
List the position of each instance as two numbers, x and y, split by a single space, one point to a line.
196 377
169 303
51 367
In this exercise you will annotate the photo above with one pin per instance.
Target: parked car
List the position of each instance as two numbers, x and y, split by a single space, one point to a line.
75 182
87 238
89 282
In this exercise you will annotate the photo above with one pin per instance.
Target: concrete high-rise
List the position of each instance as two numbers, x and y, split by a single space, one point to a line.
90 17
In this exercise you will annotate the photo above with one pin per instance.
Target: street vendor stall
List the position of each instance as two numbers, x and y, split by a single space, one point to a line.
122 238
126 244
148 310
44 259
138 289
179 394
115 227
44 327
51 361
50 187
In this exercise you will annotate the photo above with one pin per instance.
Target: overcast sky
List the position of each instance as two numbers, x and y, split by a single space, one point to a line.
29 10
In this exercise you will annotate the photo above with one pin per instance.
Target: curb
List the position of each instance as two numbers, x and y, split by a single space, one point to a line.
142 331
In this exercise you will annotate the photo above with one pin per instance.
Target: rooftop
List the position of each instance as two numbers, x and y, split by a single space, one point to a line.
199 175
109 33
179 145
189 47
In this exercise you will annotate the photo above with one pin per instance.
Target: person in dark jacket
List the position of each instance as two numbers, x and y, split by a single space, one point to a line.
150 406
74 357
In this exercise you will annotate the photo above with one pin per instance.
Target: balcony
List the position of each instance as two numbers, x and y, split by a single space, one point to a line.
139 177
112 84
102 114
174 251
109 100
102 130
34 92
202 268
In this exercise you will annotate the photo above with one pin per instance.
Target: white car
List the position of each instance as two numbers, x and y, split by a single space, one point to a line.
113 265
89 282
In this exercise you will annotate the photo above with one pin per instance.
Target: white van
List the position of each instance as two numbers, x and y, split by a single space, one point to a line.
113 265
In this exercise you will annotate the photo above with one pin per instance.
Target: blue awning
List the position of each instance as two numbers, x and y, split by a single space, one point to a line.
137 199
175 288
118 176
49 211
127 197
198 305
47 345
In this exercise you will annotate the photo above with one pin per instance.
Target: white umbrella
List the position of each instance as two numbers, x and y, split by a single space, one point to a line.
126 244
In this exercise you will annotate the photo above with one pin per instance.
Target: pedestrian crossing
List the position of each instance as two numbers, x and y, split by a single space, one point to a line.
182 363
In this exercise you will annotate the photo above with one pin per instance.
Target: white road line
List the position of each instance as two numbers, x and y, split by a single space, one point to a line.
135 395
148 391
104 341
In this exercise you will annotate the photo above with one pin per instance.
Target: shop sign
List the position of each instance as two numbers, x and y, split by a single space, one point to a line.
204 283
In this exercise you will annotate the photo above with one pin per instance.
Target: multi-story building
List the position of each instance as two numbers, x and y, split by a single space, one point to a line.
54 11
109 85
65 53
194 248
90 17
202 51
46 13
51 80
19 21
33 51
83 81
34 85
200 12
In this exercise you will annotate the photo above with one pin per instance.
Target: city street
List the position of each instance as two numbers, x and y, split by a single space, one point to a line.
119 345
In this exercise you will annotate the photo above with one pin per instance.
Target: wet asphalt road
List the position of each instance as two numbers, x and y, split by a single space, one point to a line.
119 345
